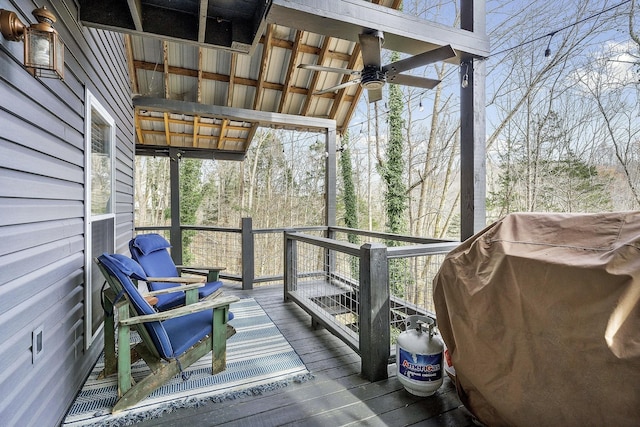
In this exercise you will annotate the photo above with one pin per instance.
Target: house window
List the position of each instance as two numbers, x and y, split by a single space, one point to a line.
99 207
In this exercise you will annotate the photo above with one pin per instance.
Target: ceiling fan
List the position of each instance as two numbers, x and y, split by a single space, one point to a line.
374 75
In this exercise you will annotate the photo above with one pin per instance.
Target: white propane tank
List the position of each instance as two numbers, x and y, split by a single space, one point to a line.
419 356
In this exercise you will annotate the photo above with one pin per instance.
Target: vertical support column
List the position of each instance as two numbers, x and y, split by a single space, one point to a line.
330 178
247 254
375 319
175 234
290 257
330 195
472 128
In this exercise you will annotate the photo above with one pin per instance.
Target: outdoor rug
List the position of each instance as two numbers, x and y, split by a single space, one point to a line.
259 359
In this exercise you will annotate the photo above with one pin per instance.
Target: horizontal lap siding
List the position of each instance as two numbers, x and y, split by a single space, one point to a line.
42 211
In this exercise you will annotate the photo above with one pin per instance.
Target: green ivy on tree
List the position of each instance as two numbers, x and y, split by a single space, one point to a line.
349 198
191 195
396 191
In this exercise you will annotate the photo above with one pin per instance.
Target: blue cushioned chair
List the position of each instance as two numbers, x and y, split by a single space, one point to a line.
171 340
151 251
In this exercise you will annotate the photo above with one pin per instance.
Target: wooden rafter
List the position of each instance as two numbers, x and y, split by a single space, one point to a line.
180 71
352 108
304 48
264 61
199 91
130 63
165 56
232 79
356 59
188 122
167 129
250 135
341 97
314 79
138 127
293 60
223 131
196 129
201 137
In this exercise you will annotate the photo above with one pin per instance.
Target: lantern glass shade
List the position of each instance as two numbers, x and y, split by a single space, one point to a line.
44 53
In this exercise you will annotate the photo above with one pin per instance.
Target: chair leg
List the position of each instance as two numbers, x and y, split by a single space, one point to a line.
110 362
124 352
168 370
219 351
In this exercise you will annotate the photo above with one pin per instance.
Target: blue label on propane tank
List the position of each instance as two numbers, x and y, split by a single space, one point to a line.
420 367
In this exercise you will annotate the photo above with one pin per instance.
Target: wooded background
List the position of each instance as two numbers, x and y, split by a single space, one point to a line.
562 135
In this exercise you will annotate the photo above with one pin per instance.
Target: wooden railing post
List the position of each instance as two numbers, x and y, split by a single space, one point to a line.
290 257
374 311
247 254
175 234
329 255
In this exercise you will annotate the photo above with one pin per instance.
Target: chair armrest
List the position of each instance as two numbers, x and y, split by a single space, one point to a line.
212 273
181 311
176 279
181 288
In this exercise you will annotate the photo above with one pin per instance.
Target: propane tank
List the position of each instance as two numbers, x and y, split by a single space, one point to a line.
419 356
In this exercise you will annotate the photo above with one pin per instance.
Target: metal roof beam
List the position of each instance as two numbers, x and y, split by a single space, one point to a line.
264 118
403 33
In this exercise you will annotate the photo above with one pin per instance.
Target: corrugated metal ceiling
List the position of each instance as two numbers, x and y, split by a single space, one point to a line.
266 80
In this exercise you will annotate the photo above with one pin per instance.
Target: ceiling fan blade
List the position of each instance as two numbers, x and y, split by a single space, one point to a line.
338 87
415 81
428 57
370 46
329 69
375 94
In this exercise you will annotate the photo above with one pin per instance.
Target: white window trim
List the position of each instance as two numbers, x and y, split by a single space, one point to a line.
91 102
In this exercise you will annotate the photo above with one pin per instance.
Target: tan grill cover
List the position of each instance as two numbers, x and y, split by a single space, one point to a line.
541 315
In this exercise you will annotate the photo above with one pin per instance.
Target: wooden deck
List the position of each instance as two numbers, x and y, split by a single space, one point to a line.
337 396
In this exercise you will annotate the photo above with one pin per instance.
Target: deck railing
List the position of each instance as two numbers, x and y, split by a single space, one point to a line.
362 293
251 256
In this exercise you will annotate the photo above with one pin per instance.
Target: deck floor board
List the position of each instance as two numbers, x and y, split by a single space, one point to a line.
337 396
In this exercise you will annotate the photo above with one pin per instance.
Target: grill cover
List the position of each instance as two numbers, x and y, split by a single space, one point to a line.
541 316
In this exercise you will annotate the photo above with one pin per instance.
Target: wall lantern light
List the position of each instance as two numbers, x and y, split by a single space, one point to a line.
43 47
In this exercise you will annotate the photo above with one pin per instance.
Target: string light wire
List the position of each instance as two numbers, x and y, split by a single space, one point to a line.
552 33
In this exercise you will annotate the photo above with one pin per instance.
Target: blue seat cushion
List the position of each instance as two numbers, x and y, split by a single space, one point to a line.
186 331
209 288
169 301
157 264
129 267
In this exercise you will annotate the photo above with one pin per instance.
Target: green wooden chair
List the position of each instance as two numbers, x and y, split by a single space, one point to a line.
171 340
